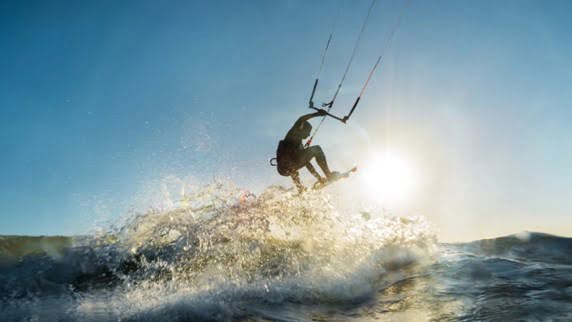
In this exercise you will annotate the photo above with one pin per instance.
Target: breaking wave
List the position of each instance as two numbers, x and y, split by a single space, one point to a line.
221 254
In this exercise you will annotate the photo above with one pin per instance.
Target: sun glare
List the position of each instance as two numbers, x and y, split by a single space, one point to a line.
388 178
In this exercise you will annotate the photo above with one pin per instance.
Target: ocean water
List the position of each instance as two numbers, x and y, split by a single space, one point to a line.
222 254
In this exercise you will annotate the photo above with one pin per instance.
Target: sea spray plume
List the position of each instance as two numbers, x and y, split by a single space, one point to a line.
219 226
216 256
230 245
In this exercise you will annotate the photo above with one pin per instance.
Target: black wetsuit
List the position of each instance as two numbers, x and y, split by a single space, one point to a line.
291 154
288 156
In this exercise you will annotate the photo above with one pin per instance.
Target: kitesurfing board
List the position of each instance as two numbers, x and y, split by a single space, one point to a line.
320 185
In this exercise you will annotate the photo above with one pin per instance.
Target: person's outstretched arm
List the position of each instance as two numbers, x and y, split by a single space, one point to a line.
306 117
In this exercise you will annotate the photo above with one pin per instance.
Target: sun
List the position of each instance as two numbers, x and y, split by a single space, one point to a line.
388 178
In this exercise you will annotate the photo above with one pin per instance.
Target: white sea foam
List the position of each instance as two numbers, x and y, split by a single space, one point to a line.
223 248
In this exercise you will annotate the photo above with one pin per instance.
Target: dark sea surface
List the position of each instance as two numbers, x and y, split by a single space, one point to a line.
222 255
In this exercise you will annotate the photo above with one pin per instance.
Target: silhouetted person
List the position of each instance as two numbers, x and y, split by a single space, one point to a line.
291 155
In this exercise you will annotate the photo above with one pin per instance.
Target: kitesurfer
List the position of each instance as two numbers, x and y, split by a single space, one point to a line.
292 155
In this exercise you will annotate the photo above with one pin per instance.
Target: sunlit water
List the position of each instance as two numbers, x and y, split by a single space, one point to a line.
223 254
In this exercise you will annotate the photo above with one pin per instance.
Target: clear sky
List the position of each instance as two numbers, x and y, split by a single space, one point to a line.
104 105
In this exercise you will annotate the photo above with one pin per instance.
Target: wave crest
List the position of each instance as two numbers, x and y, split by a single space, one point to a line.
221 248
227 233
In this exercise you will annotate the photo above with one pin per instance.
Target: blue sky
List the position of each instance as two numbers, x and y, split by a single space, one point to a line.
103 102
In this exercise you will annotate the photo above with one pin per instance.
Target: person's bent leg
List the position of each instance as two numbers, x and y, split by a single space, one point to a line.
316 152
313 171
296 178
